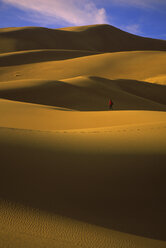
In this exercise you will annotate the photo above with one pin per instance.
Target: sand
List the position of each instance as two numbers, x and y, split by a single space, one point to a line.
104 38
74 173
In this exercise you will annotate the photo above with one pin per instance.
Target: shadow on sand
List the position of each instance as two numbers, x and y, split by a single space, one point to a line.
116 191
92 95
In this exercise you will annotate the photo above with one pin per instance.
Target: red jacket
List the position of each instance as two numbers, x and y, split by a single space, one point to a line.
110 102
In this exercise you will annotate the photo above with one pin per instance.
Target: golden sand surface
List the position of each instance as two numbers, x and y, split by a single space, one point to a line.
72 172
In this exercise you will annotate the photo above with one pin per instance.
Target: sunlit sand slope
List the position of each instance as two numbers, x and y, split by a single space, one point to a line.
23 227
72 173
103 38
32 116
34 56
112 177
124 65
82 93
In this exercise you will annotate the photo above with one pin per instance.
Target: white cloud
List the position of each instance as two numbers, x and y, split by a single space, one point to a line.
144 3
73 12
133 28
134 3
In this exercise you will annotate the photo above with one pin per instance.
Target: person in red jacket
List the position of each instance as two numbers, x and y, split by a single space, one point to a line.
110 104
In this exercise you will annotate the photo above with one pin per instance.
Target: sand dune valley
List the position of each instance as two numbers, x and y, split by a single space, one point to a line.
74 174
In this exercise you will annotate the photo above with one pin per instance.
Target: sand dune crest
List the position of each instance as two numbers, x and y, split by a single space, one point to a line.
74 173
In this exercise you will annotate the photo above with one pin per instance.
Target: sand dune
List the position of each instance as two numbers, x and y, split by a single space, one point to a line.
40 117
35 56
161 79
83 93
72 173
102 38
87 189
25 229
124 65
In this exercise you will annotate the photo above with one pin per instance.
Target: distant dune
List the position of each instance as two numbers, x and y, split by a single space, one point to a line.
73 173
139 65
98 38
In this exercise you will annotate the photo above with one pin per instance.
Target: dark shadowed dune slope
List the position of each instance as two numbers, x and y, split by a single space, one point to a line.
87 93
101 38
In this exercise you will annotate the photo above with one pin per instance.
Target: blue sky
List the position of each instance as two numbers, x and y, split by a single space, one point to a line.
141 17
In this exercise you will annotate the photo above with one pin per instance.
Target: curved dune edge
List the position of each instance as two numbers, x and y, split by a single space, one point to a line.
72 173
104 38
134 65
33 116
43 55
113 159
157 80
87 93
30 228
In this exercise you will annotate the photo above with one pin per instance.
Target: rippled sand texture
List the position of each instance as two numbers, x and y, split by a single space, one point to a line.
72 173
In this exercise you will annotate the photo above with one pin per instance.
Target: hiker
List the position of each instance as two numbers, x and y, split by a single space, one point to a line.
110 104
